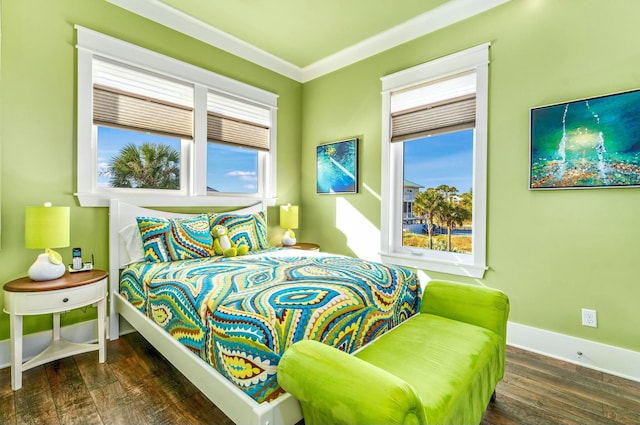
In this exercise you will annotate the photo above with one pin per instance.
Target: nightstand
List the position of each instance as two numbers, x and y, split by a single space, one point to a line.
304 245
23 297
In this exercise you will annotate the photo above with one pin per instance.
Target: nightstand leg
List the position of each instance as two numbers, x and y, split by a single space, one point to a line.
56 326
15 325
102 318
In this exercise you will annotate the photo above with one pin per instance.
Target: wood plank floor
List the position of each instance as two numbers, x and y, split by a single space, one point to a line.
138 386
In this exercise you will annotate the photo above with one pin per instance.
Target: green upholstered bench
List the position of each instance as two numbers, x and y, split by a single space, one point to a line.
439 367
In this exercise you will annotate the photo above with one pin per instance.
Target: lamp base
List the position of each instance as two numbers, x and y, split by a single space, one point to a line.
289 238
44 269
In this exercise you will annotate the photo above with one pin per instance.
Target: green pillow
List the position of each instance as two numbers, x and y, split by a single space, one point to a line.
172 239
247 229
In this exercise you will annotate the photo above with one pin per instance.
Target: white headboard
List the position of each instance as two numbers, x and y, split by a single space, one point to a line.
122 214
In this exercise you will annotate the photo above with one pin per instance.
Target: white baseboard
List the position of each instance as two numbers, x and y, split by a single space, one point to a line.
606 358
594 355
36 342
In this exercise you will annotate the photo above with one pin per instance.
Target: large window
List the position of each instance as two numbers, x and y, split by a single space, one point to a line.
434 164
156 131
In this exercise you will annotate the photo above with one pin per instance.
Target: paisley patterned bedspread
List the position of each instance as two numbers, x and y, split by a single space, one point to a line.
240 314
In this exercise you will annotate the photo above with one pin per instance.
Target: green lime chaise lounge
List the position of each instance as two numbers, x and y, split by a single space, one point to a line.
439 367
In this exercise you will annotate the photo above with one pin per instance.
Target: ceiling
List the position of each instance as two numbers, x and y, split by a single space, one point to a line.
304 31
304 39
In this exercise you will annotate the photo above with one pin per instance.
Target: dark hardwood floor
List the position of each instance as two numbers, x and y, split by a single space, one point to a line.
138 386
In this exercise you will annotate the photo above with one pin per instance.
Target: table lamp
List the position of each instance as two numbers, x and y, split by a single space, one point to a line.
46 227
289 220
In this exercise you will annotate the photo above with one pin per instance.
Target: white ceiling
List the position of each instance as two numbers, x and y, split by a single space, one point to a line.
304 39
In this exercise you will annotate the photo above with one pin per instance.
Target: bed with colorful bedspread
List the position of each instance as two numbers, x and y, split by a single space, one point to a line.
240 314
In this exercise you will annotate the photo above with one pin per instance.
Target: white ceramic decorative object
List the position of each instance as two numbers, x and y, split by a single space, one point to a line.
289 238
44 269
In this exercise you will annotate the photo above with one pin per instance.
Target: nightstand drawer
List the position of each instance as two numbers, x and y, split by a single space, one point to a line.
54 301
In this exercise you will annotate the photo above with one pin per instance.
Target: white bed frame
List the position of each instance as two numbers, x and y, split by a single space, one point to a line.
236 404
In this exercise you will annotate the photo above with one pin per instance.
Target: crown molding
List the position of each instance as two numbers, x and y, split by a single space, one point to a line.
449 13
177 20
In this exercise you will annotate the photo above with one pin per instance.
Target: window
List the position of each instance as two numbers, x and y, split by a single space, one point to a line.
237 134
143 124
434 164
156 131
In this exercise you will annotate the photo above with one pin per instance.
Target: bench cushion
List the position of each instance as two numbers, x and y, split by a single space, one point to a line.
453 366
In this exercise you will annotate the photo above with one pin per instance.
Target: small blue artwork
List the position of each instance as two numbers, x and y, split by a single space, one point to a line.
337 167
587 143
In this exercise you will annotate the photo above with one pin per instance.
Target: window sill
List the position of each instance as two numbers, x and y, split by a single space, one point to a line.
459 268
88 199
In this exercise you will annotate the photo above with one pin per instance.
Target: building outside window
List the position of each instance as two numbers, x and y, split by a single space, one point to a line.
409 221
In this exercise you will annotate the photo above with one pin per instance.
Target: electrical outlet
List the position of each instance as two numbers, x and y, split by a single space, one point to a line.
589 318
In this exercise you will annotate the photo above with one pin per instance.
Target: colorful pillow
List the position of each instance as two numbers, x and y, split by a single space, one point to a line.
171 239
248 229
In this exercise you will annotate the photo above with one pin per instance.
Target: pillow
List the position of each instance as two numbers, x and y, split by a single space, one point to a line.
132 240
171 239
248 229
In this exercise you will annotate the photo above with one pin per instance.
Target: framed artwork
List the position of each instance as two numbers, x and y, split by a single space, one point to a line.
588 143
337 167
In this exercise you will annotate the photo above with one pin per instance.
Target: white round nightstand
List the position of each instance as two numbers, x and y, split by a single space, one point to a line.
23 297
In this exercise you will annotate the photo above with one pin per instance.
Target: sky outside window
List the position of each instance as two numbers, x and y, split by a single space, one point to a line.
231 169
443 159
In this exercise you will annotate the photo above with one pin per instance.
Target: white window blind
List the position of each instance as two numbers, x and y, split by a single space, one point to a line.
237 122
434 108
134 99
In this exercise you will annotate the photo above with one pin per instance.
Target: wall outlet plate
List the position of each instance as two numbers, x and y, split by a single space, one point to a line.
589 318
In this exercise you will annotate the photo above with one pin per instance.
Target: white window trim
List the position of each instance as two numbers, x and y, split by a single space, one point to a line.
392 251
91 43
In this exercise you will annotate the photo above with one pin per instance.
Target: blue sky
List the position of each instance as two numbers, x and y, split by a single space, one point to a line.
230 169
430 162
442 159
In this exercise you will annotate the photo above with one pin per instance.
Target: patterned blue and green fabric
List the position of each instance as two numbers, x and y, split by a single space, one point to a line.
247 229
240 314
172 239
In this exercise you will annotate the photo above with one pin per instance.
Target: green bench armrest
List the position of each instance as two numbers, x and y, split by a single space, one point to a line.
476 305
334 387
473 304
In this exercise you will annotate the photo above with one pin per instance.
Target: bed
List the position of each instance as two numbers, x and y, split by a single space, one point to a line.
225 322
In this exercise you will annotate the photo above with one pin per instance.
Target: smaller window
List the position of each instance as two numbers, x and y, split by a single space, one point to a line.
238 135
434 164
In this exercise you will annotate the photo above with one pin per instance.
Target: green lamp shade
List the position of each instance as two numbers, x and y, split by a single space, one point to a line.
46 227
289 216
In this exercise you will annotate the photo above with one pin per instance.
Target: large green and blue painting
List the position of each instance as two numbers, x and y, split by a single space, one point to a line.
337 167
587 143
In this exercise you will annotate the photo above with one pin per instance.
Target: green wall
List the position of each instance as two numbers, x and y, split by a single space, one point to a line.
38 123
552 252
